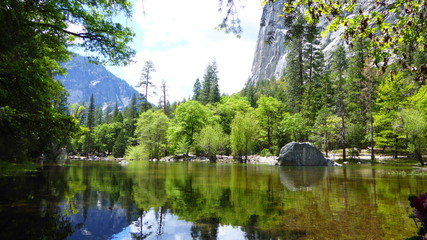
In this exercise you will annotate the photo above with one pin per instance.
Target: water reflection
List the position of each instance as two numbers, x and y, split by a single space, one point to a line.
302 178
206 201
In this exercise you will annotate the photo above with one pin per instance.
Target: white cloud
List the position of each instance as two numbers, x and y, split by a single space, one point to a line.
180 39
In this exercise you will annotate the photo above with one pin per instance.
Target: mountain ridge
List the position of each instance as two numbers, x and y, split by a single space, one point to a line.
84 78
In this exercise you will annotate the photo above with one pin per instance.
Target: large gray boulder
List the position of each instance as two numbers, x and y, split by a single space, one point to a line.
302 154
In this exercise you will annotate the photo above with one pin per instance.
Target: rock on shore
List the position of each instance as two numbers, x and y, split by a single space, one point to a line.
303 154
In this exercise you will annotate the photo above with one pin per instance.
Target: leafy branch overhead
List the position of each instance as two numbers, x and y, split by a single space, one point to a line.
36 38
395 29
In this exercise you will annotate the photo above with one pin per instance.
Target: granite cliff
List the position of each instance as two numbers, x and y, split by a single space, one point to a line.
270 53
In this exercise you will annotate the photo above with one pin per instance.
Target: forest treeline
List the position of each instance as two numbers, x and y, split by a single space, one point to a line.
340 102
368 95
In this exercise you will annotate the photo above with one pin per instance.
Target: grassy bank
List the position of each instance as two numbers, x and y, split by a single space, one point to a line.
12 169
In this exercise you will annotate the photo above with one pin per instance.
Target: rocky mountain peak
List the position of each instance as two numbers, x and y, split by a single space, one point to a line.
84 78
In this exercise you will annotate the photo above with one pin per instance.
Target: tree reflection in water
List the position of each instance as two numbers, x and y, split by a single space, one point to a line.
206 201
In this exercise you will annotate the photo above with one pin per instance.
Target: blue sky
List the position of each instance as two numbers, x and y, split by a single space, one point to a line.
180 38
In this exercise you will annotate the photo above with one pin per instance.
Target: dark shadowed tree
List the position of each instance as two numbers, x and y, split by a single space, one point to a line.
35 39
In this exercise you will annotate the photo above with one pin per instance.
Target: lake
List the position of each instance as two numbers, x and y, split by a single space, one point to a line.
146 200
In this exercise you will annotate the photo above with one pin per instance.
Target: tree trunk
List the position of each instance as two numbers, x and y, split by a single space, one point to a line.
419 157
371 120
343 139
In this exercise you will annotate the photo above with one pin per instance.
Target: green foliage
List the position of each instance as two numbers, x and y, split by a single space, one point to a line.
137 152
415 127
228 107
197 91
326 130
355 138
77 112
190 118
212 141
119 147
105 136
269 113
294 127
399 38
244 131
33 44
210 88
151 134
392 98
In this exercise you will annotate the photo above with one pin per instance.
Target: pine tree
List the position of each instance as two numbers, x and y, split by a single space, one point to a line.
116 111
250 92
197 90
107 117
368 98
294 72
339 67
145 83
210 88
90 120
392 98
133 107
119 147
214 95
90 123
98 115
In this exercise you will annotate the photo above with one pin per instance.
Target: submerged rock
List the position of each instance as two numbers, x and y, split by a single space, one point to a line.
303 154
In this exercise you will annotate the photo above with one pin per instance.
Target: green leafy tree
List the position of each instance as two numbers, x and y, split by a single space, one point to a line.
212 141
413 123
356 138
119 117
244 131
151 134
269 113
115 111
105 136
368 96
250 92
34 41
326 129
228 107
77 112
392 98
294 127
98 115
130 117
190 118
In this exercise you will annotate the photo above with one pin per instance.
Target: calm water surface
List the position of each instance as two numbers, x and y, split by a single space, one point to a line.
144 200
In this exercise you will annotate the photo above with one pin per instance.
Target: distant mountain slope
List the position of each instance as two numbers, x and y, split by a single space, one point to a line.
84 79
